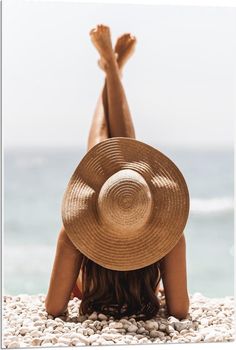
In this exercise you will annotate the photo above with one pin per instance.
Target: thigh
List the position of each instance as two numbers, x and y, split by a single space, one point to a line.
95 141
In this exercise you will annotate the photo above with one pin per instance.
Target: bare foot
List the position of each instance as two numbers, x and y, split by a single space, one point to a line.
124 48
101 39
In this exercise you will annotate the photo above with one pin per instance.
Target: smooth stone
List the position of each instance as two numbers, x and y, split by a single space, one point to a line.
132 328
154 334
195 325
64 340
179 326
210 337
87 322
116 325
162 327
107 342
139 336
120 331
36 341
169 329
39 323
45 341
98 324
110 336
51 323
102 317
141 330
83 339
35 333
149 325
50 317
14 345
63 318
119 342
78 343
35 318
125 321
144 341
94 329
93 337
198 338
58 328
23 330
204 322
89 331
157 334
58 321
93 316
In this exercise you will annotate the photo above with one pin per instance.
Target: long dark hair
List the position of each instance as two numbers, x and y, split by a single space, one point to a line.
119 293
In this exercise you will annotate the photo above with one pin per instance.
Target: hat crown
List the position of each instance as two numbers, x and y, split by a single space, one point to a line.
125 202
132 219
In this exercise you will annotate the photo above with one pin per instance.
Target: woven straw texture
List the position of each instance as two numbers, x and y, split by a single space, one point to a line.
126 204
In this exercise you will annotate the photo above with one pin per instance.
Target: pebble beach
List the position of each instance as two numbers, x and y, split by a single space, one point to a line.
27 324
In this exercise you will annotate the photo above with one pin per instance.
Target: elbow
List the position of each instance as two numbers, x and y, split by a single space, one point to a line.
50 310
181 312
53 310
180 315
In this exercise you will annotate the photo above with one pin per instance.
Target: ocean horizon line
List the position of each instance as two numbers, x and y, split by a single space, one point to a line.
187 148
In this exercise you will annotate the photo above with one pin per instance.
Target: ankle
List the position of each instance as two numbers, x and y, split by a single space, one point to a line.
111 65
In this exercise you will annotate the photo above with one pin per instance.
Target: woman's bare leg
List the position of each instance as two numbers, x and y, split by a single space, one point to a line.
100 128
120 120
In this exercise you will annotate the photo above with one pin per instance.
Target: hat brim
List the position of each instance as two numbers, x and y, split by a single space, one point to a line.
169 212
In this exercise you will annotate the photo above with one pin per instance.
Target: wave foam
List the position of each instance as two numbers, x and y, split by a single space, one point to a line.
211 205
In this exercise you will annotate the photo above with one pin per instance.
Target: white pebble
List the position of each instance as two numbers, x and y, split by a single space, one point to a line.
14 345
179 326
149 325
64 340
110 336
102 317
116 325
155 334
210 337
132 328
35 333
36 341
23 330
141 330
93 316
162 327
204 322
83 339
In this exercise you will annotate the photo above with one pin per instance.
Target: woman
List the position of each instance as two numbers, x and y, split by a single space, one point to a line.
74 274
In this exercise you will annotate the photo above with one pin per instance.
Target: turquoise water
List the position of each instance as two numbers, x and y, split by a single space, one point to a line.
35 180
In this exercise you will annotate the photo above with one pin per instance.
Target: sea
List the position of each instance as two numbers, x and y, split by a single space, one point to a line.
34 181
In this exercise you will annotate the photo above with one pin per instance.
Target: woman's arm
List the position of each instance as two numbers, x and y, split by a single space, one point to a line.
65 272
174 278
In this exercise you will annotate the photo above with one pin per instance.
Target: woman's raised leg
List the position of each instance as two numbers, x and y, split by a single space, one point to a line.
119 117
100 127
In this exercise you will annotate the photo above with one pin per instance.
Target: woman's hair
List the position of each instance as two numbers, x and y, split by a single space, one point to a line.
119 293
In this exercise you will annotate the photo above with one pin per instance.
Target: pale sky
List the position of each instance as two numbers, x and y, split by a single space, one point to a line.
179 83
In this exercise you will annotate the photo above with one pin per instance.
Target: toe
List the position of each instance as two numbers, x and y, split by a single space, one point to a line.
92 31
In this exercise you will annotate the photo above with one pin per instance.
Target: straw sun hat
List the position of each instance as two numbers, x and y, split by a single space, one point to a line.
126 204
